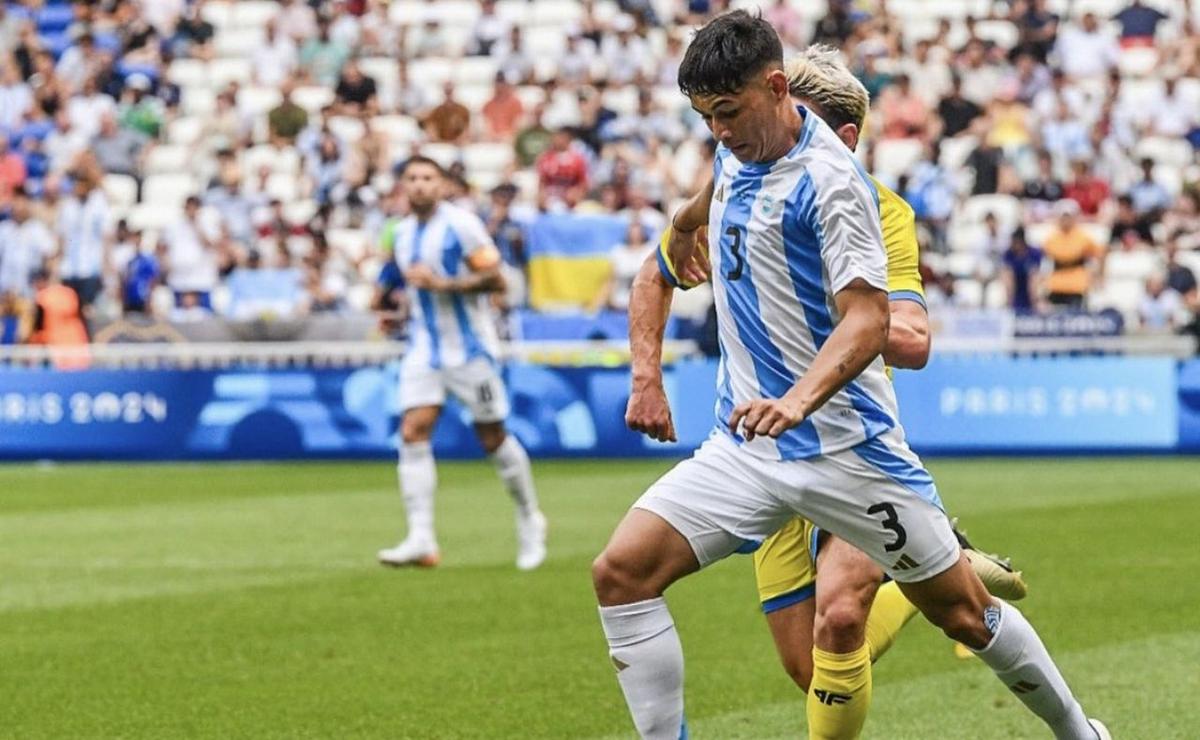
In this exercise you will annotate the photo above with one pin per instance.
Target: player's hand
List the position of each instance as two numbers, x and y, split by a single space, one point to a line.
681 248
697 269
424 278
765 416
649 413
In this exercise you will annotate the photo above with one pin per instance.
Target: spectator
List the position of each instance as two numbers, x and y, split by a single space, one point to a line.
431 40
904 112
193 35
955 111
1031 78
489 28
1182 221
1139 23
578 60
236 209
626 55
1037 28
16 99
356 93
1173 115
931 193
787 22
274 60
119 151
562 171
84 232
286 120
1180 278
1022 265
1149 196
1128 223
25 246
412 100
1090 192
980 75
1161 309
192 260
323 57
1086 50
1065 136
626 261
986 162
64 143
502 114
12 171
89 107
513 60
141 111
296 19
450 121
1075 256
59 322
532 140
835 26
77 63
931 71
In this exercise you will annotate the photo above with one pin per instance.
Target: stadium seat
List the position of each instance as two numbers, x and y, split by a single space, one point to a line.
894 157
623 100
555 13
955 151
547 41
257 101
515 11
411 12
962 264
1137 61
1123 295
168 190
347 129
120 189
1002 33
443 154
1136 265
283 161
968 292
351 243
387 79
1165 151
299 211
221 72
253 13
217 12
283 186
474 96
238 42
185 130
401 130
1008 209
488 156
312 98
198 101
475 71
169 158
430 72
995 295
188 73
154 217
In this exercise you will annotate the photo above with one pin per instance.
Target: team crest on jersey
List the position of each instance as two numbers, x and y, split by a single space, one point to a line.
770 206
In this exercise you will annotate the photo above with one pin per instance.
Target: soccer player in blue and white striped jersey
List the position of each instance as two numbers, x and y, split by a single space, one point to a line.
806 419
449 266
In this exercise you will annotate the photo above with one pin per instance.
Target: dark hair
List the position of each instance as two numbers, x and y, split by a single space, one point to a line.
726 52
420 159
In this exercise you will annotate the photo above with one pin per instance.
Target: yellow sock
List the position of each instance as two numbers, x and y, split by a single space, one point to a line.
840 694
890 612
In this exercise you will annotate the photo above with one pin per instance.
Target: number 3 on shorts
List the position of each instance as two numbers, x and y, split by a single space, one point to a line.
891 523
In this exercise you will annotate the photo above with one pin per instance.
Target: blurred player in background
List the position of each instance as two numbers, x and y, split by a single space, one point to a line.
449 265
806 417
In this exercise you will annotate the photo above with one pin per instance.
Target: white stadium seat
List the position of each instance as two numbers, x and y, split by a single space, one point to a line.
312 97
168 190
221 72
168 158
346 128
443 154
120 189
1007 208
475 71
238 42
431 71
352 243
284 161
488 157
258 101
399 129
188 73
217 12
894 157
253 13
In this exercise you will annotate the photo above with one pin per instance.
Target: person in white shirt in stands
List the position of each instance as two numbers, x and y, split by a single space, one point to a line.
192 259
84 231
25 245
626 260
275 59
1086 50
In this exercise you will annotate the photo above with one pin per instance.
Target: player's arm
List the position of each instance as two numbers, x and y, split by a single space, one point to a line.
855 342
908 336
649 306
482 259
681 244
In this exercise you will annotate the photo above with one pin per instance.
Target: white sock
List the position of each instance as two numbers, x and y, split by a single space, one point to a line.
418 480
512 465
1020 660
645 650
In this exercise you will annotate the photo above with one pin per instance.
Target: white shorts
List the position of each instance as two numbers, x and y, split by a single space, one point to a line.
877 496
476 385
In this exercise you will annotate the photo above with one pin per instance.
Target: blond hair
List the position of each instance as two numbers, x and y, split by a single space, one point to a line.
819 74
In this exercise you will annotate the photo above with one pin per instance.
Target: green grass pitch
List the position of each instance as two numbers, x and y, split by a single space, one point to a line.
243 601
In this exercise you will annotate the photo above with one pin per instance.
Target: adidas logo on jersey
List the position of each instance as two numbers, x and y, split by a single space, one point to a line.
829 698
719 196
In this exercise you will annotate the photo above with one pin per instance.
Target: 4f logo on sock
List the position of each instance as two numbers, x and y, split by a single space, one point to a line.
829 698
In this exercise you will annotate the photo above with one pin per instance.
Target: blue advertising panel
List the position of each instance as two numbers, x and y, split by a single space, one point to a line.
258 414
1002 404
956 405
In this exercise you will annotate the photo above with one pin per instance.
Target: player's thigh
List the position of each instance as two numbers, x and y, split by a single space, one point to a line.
719 500
421 386
792 630
879 498
479 388
644 556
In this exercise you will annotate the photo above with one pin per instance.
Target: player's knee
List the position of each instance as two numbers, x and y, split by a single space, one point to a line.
617 580
840 626
491 436
414 432
965 623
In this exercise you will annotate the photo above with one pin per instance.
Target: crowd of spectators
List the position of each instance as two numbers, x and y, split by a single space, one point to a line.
185 158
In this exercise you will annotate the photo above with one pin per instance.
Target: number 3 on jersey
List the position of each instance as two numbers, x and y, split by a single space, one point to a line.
735 235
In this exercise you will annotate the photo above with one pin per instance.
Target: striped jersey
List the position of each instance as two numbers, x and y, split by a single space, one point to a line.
785 237
446 329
